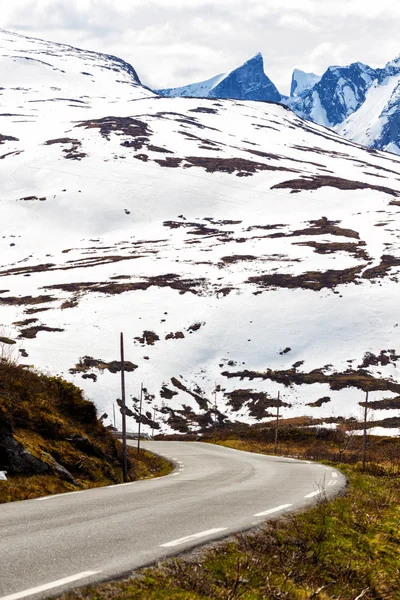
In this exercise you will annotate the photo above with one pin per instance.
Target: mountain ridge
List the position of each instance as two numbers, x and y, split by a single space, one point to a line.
333 100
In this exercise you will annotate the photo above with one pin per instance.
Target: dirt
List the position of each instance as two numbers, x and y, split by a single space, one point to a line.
319 402
7 138
231 165
202 402
148 338
356 250
311 280
359 379
322 226
384 358
87 363
381 270
318 181
26 300
31 332
73 152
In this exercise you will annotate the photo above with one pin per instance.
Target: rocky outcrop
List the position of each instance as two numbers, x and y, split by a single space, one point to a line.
15 459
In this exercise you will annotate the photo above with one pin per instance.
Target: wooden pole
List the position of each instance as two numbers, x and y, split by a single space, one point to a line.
140 416
277 424
215 409
154 419
364 447
124 460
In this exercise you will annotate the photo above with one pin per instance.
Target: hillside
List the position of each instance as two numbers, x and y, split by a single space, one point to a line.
233 243
51 440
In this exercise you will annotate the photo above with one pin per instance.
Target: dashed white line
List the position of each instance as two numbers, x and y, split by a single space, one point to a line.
189 538
309 495
59 496
49 586
272 510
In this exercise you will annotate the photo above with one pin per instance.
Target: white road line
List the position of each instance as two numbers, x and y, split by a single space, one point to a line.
106 487
49 586
308 496
332 482
334 474
270 511
59 496
189 538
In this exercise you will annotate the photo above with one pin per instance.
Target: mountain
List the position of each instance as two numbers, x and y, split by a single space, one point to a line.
247 82
340 92
193 90
376 123
359 102
232 242
302 82
62 75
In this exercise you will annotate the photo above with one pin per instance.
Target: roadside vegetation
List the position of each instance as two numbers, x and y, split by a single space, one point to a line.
346 549
51 440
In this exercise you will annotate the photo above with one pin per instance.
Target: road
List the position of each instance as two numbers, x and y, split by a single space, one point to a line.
55 543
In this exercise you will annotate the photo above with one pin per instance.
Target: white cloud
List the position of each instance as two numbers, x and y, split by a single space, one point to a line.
173 42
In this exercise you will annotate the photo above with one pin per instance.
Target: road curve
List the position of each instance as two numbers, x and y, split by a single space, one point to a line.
55 543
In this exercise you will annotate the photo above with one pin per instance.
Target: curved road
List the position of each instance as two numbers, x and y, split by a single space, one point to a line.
55 543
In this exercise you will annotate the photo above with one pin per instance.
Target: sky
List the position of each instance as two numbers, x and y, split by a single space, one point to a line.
176 42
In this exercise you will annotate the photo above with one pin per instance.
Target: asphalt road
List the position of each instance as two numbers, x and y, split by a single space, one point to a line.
55 543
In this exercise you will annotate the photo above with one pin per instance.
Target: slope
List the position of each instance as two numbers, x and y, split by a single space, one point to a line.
234 244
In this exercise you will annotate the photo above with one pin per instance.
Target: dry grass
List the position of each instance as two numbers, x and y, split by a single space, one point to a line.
50 418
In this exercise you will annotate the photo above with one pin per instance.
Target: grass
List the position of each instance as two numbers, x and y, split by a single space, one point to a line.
346 549
68 446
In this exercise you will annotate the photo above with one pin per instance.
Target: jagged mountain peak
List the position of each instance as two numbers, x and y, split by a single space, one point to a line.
302 81
246 82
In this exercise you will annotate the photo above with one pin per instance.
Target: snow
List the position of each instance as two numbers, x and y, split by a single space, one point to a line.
365 125
318 112
196 90
112 217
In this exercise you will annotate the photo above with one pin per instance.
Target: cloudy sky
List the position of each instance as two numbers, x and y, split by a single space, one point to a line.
174 42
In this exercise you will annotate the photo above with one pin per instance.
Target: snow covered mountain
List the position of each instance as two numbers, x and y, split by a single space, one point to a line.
247 82
233 243
357 101
302 82
340 92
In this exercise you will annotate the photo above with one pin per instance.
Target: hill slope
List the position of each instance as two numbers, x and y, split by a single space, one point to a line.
51 440
232 242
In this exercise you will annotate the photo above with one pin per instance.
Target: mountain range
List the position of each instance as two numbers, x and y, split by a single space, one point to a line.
357 101
241 249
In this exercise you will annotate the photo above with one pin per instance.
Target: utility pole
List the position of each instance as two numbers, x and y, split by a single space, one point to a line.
154 420
124 460
215 409
364 447
140 416
277 424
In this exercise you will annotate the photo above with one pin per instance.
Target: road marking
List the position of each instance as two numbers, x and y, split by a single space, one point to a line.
59 496
332 482
334 474
49 586
189 538
272 510
308 496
